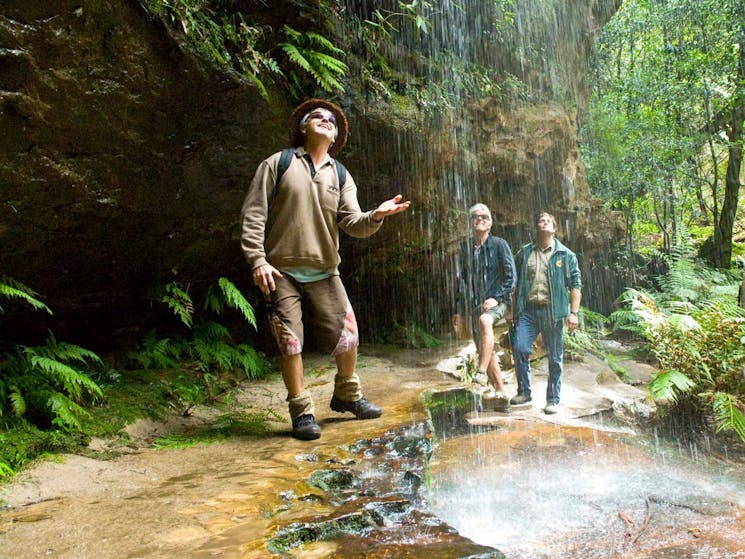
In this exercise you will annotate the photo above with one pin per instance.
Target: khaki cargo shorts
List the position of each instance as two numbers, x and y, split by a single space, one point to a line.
327 309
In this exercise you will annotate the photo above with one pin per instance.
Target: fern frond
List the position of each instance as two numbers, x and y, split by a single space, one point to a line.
66 413
335 65
179 302
156 353
6 470
295 56
626 319
17 403
728 415
212 300
250 361
211 331
291 33
72 381
203 353
62 351
235 299
668 384
13 289
318 40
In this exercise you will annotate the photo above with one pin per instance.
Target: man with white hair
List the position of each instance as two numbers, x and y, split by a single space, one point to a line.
290 237
487 278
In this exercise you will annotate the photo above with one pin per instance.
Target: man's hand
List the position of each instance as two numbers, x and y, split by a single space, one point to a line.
263 277
572 322
508 315
489 303
390 207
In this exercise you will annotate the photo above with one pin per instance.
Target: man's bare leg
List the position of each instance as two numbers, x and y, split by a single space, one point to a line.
486 345
292 373
346 363
495 372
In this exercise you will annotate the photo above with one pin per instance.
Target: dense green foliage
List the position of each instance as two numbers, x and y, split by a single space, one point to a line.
663 134
663 143
54 396
210 347
250 52
696 332
46 385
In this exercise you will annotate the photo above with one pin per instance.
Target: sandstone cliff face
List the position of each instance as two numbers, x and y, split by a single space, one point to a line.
124 162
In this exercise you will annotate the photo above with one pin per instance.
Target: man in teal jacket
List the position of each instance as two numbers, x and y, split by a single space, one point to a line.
547 296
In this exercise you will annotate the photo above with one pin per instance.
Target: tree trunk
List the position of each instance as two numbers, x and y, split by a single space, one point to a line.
723 229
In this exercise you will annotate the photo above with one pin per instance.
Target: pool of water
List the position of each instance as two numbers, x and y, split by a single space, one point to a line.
536 490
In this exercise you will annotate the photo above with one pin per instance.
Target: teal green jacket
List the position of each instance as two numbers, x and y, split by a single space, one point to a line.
563 275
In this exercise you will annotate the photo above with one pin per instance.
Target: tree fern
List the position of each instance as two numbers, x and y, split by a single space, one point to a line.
728 415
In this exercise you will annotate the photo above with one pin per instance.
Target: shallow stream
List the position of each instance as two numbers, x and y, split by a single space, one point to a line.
539 490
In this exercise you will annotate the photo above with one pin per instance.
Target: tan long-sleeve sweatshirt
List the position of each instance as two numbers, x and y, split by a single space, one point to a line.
296 225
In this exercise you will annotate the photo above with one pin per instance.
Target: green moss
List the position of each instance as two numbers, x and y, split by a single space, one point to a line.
295 535
24 442
225 426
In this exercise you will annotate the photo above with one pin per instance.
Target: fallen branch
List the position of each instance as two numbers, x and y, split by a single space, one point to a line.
645 523
627 533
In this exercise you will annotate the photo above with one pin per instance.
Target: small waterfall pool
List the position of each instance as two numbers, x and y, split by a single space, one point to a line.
539 490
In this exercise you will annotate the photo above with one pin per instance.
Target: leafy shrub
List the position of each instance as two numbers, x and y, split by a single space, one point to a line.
698 339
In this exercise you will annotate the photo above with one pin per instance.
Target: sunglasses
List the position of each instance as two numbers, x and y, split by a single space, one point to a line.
480 217
320 116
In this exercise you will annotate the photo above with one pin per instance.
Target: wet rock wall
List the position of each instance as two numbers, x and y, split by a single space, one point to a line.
124 161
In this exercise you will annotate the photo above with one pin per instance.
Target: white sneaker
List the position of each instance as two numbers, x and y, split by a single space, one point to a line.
551 409
480 378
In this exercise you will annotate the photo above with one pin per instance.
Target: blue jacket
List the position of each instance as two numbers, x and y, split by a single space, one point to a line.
491 275
563 275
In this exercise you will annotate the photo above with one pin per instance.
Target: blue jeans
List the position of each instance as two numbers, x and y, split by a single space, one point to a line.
534 321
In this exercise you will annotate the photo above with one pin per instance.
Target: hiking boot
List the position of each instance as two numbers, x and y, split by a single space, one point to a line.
520 399
551 409
305 428
362 409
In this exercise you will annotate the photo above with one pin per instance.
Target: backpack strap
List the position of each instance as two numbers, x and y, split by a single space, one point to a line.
284 163
341 173
285 159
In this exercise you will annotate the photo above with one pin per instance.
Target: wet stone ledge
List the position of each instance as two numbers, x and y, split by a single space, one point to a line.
378 508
